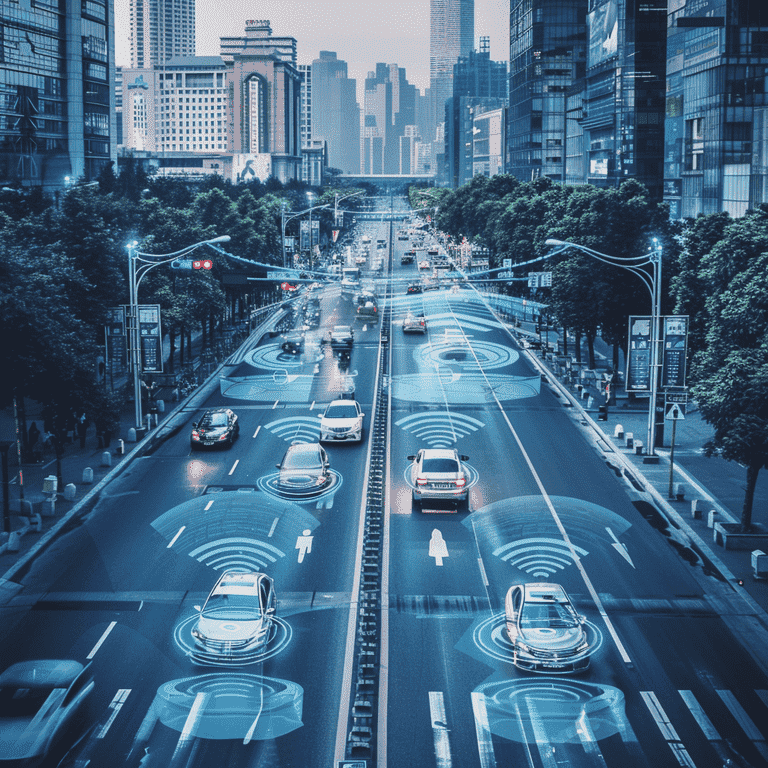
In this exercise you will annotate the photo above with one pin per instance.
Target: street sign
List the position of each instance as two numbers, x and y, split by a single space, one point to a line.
181 264
677 397
505 275
506 263
675 413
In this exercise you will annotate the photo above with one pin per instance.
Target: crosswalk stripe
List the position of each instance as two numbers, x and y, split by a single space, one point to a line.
667 729
745 721
700 716
483 730
440 730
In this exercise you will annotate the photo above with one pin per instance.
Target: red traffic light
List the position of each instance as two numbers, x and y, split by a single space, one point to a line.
202 264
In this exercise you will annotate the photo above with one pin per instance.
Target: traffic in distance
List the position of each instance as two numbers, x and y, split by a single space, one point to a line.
378 537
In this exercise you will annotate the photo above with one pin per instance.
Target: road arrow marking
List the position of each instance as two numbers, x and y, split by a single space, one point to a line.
437 547
619 547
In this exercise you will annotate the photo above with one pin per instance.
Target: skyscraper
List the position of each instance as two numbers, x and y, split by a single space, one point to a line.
57 108
160 30
336 114
452 34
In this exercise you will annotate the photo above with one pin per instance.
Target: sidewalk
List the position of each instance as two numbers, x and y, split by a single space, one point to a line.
712 483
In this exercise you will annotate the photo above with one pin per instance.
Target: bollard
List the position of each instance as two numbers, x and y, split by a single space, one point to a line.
618 432
602 413
106 459
70 491
680 491
132 435
87 475
37 522
50 484
121 447
630 437
49 507
696 508
638 446
14 543
160 406
712 518
590 400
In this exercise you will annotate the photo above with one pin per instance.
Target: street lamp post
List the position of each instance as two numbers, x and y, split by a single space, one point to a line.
337 200
138 265
652 282
311 197
284 222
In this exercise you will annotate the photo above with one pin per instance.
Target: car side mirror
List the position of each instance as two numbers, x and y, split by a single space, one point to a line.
464 458
277 465
411 458
198 608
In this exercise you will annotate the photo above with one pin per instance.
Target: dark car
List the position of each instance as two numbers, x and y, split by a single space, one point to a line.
218 426
293 342
414 288
305 467
38 701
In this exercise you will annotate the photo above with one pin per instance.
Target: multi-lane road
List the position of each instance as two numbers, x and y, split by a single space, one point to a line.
675 678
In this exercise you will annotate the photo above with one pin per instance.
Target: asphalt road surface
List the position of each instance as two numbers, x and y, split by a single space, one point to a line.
672 679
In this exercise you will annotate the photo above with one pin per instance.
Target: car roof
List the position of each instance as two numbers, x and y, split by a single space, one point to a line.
341 401
304 448
439 453
238 583
542 592
58 673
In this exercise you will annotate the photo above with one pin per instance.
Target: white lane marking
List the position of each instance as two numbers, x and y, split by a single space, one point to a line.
191 724
115 705
275 404
257 430
587 738
667 729
483 730
255 723
208 505
482 571
234 466
763 696
558 522
272 529
101 640
312 407
437 547
543 744
745 721
181 530
700 716
440 730
619 547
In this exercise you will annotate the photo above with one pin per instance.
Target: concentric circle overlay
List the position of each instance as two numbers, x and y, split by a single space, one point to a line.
455 352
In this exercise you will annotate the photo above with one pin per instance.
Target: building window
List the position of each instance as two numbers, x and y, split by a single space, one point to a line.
694 144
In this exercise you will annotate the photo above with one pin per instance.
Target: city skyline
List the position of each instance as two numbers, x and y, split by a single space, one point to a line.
402 31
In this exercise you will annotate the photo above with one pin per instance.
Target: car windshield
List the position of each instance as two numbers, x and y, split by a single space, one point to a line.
341 412
429 466
231 606
536 615
22 702
301 460
215 420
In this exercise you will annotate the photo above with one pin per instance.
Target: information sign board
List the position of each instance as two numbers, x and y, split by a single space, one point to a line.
638 376
675 335
150 333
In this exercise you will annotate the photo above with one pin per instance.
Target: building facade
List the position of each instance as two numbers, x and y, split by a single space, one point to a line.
715 145
57 108
161 30
265 101
488 137
336 112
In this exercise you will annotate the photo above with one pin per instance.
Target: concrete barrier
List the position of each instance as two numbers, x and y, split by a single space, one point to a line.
679 491
712 518
70 491
697 508
638 446
132 435
106 459
630 439
618 432
87 475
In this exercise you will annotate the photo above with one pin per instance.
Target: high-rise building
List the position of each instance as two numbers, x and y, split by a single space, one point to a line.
57 110
452 34
161 30
547 56
336 113
265 101
715 150
478 84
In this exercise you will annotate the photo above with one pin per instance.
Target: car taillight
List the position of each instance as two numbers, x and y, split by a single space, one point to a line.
461 482
223 437
421 481
195 434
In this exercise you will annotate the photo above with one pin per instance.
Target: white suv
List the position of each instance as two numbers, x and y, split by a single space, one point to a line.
439 473
342 420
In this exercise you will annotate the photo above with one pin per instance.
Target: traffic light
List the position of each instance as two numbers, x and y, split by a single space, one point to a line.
202 264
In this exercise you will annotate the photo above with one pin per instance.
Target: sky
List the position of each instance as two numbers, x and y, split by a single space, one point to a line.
361 32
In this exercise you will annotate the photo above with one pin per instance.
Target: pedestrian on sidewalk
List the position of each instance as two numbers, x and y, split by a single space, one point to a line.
82 428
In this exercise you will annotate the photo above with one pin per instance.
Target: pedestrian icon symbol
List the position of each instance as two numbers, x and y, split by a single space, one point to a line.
304 544
675 413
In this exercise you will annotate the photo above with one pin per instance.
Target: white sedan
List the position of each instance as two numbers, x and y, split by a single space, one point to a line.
342 420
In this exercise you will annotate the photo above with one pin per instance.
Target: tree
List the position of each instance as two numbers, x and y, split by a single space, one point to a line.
730 372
